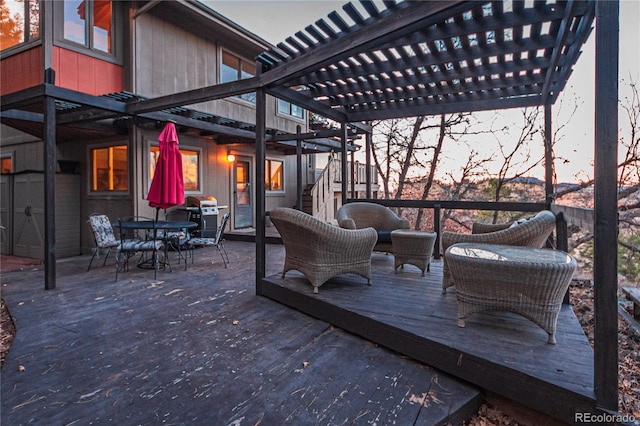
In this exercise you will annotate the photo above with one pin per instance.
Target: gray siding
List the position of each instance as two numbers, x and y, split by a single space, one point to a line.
168 59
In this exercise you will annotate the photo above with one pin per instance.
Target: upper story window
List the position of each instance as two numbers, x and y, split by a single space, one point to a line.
234 68
19 22
190 166
89 23
109 169
288 108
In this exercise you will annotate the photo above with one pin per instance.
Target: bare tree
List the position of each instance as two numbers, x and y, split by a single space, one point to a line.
516 158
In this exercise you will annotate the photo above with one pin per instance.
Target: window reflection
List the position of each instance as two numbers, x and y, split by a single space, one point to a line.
274 175
14 28
190 167
82 15
109 169
234 68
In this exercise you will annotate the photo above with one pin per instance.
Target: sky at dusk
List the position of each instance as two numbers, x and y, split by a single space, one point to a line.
275 20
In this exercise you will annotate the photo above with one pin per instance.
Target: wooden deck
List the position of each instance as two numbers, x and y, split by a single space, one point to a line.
199 347
501 352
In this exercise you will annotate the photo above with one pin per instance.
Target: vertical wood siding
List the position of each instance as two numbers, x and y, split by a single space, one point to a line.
170 60
68 221
22 70
85 74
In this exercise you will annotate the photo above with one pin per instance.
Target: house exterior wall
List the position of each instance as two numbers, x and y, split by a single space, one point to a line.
161 58
86 74
169 59
22 70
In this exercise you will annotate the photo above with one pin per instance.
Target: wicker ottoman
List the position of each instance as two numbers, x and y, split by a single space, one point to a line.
528 281
412 247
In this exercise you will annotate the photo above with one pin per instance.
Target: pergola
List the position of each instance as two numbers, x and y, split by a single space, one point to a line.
425 58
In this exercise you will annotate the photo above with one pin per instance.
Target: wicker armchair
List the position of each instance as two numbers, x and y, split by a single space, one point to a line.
533 232
322 251
371 215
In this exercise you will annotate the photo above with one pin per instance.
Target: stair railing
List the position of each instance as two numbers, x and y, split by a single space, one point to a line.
321 193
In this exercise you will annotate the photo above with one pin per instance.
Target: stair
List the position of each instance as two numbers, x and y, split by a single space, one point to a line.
307 201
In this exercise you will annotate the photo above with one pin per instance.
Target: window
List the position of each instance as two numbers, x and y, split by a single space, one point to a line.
89 23
19 22
234 68
6 164
190 167
274 180
109 169
288 108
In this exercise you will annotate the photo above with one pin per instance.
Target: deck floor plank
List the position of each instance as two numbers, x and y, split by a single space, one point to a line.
198 347
500 351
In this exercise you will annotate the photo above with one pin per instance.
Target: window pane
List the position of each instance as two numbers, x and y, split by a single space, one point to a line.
274 175
248 69
283 106
296 111
120 169
11 23
7 166
190 167
229 70
34 19
109 169
74 21
190 170
102 25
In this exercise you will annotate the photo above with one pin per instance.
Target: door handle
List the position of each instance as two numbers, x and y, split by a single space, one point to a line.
27 211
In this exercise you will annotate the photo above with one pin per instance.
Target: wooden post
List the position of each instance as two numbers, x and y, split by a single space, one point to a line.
49 193
368 164
261 107
605 271
548 156
562 242
299 170
353 175
345 169
437 214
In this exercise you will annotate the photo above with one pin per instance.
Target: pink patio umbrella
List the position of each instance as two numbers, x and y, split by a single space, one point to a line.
167 186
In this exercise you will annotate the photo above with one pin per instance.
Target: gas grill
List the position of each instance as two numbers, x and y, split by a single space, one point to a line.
204 211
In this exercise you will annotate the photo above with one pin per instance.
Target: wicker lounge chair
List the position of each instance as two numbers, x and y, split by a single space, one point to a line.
533 232
371 215
322 251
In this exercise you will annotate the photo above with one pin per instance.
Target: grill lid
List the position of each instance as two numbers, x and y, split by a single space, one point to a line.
201 201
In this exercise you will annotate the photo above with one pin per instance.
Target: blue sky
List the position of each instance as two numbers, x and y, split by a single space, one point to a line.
275 20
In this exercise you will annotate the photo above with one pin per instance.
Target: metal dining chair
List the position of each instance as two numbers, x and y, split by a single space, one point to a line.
137 235
217 242
104 237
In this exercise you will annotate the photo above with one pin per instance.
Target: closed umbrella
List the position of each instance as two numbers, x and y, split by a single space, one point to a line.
167 186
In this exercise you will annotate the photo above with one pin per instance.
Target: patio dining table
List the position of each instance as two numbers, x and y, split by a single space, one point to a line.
158 225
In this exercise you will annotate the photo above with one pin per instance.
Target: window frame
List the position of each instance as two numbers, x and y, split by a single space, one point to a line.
181 148
243 60
115 56
288 114
267 175
90 167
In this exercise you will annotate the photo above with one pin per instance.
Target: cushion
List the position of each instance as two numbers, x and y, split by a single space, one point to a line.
384 236
521 221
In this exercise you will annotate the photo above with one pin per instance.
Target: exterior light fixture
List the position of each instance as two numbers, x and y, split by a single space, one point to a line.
230 157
